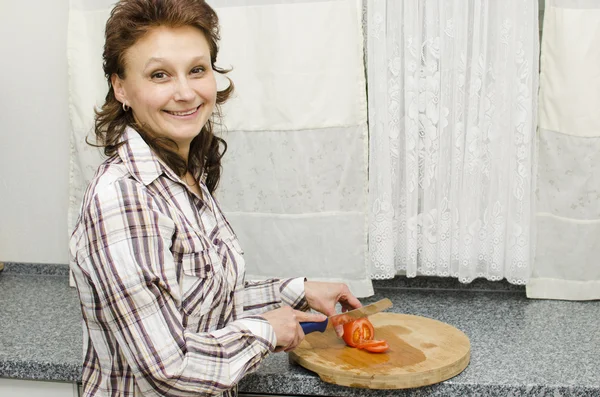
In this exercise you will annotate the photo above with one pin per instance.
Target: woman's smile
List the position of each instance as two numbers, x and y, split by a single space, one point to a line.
184 114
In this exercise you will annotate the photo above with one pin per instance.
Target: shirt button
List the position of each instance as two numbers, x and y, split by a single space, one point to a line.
207 268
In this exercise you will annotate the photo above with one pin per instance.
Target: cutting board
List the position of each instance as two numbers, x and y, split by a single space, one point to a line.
422 352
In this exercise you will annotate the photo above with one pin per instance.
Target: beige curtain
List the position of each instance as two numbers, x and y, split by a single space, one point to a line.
567 259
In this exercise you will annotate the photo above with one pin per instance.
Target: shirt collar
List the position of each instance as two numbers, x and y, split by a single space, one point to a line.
139 159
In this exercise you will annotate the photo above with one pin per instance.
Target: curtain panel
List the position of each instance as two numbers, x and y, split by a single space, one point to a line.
452 88
567 260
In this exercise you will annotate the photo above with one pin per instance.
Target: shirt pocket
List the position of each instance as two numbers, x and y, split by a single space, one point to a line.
234 243
201 282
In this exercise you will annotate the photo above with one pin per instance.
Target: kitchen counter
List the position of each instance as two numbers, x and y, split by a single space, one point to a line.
519 347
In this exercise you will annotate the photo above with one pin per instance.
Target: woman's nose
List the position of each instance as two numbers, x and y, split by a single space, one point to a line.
183 91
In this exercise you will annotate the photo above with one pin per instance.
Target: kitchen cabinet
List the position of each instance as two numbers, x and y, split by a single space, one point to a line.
34 388
263 395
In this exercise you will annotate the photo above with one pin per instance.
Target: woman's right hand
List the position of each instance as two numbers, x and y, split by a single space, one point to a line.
286 324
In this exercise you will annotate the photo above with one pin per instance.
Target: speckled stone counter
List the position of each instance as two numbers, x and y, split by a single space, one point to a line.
519 347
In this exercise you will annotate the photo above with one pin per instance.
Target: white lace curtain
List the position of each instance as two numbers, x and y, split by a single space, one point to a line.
567 261
452 88
295 175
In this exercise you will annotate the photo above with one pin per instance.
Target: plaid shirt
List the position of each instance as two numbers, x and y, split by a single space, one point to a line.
160 276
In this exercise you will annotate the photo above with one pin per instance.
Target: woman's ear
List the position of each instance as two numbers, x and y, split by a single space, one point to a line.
118 88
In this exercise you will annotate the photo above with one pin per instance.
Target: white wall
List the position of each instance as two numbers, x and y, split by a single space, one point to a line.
34 131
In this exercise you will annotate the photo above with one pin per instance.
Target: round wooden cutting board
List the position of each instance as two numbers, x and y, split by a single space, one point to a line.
422 352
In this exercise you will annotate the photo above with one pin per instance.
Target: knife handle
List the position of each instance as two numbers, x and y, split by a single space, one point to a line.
310 326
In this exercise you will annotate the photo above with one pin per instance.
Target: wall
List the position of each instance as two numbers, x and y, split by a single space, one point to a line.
542 7
34 131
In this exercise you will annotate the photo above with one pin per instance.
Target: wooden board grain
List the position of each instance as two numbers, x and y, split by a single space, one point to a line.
422 352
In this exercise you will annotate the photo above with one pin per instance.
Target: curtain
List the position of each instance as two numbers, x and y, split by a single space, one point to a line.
567 264
295 173
452 88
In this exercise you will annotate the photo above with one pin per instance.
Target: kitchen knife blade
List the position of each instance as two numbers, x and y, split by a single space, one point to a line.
343 318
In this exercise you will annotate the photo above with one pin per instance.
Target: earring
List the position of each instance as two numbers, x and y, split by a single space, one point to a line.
125 107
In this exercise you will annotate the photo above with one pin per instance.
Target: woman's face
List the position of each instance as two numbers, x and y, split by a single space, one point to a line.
169 83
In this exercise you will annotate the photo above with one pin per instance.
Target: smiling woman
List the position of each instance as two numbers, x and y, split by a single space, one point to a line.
167 80
159 271
171 96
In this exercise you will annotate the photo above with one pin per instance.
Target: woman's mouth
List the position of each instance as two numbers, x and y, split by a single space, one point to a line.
184 113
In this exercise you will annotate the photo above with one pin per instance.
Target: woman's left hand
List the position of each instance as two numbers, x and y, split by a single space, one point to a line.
323 296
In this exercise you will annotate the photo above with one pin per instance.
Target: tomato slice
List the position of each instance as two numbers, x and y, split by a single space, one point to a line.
371 343
377 349
374 346
358 331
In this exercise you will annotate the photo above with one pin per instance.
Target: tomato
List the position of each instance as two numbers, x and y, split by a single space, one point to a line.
374 346
360 334
357 331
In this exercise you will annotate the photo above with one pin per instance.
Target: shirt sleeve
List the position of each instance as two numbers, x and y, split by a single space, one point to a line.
262 296
125 290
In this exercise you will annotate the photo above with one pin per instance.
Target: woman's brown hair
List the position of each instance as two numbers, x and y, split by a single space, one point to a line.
128 22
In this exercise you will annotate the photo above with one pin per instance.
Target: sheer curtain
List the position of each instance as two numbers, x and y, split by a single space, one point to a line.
567 261
295 174
452 87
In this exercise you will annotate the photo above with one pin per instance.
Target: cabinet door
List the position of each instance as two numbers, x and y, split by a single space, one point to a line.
33 388
262 395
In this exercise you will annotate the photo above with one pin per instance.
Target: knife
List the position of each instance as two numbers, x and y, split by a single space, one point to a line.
346 317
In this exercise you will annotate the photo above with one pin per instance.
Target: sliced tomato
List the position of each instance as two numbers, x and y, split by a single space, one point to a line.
360 334
358 331
373 346
371 343
377 349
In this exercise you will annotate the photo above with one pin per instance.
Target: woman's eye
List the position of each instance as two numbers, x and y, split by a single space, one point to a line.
159 75
198 69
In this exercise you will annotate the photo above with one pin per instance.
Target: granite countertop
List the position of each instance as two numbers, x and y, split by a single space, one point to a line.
519 347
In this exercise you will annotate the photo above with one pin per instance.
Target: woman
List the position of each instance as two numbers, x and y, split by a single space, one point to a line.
159 271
